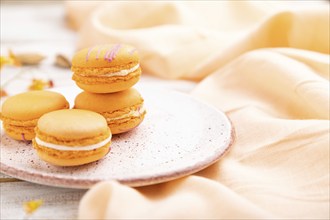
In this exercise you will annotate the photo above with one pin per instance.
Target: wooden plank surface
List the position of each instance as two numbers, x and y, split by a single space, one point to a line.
38 27
58 203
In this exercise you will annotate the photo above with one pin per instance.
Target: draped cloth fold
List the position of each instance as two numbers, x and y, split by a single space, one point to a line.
267 67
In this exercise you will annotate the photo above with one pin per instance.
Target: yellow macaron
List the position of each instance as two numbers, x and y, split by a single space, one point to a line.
21 112
123 110
106 68
72 137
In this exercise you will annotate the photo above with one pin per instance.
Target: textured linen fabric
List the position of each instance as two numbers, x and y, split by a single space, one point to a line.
267 67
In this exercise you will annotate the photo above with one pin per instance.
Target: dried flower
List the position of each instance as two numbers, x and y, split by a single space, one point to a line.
39 84
62 61
31 206
26 58
3 93
13 57
5 61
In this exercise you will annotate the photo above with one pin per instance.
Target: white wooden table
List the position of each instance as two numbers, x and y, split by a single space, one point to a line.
36 28
27 27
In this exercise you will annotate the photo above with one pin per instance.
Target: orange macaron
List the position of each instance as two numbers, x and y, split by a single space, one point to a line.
106 68
123 110
21 112
72 137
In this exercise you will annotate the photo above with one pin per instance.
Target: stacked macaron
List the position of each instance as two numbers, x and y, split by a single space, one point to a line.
108 105
107 73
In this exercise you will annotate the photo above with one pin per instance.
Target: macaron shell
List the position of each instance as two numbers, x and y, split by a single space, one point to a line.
19 130
117 127
20 123
66 159
99 56
32 105
73 124
19 133
119 84
108 102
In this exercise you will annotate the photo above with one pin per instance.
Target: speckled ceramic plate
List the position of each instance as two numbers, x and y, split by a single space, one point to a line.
178 136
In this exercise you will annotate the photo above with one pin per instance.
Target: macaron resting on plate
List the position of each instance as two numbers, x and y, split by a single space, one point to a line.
106 68
72 137
21 112
123 110
161 149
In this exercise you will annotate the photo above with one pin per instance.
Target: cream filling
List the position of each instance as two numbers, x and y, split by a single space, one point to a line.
119 73
134 113
67 148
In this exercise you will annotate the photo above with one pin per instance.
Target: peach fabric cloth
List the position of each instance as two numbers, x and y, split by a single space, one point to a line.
267 67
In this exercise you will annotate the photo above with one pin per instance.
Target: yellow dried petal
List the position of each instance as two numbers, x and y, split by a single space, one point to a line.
5 60
3 93
39 84
13 57
31 206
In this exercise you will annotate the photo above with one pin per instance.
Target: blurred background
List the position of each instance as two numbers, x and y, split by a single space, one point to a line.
35 28
46 33
42 34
